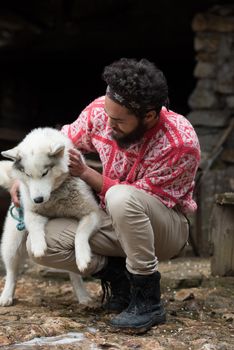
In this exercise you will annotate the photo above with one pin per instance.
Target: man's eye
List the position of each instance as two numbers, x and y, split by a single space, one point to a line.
45 173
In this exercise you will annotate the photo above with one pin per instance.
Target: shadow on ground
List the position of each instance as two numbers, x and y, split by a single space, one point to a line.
200 313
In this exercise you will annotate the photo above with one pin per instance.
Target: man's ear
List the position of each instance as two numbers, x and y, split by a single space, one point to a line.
150 116
150 119
12 154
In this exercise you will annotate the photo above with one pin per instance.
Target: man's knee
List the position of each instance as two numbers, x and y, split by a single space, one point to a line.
118 200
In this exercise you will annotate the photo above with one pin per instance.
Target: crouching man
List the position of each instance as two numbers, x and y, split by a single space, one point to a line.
149 156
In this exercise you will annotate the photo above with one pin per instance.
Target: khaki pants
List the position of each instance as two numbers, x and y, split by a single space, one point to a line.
136 225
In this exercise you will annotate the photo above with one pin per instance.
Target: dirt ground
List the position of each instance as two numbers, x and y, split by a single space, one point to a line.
200 312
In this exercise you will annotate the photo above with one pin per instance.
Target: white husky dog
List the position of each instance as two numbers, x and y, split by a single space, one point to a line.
40 163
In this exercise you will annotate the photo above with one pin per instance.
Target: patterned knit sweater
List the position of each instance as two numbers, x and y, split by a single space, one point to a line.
163 163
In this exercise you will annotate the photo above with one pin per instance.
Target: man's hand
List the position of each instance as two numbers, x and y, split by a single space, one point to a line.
76 164
14 192
83 171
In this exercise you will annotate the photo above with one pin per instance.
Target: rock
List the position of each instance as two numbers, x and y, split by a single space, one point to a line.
212 23
190 282
225 78
183 295
228 317
208 42
205 70
208 141
209 118
209 346
4 340
230 102
203 95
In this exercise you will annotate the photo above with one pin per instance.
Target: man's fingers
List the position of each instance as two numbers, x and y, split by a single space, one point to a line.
14 192
75 161
15 199
74 152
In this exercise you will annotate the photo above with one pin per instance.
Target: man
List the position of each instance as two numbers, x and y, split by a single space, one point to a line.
149 156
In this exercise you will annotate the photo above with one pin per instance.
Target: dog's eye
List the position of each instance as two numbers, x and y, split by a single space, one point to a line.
45 173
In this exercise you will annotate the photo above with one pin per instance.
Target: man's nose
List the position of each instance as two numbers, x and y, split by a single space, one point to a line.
111 122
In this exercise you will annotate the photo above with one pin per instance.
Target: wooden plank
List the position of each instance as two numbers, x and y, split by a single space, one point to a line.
217 181
222 237
225 198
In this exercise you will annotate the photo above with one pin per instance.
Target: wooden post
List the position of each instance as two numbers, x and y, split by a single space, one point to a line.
222 235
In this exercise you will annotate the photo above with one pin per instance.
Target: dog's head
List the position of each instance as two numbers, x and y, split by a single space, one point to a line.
40 162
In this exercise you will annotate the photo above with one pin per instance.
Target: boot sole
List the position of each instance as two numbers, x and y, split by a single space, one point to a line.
142 328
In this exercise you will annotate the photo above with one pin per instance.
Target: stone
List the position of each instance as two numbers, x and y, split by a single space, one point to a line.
203 95
209 22
228 317
205 70
227 10
207 138
225 49
207 42
205 56
184 294
225 78
230 102
4 340
210 118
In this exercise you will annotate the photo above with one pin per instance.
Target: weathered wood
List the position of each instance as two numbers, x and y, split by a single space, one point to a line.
222 238
216 181
225 198
228 156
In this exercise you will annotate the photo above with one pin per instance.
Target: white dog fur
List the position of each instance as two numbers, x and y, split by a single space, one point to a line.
40 163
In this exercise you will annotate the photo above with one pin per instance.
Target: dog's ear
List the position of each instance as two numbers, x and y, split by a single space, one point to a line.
12 154
57 150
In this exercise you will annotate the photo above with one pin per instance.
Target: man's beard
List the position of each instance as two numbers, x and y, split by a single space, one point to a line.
133 137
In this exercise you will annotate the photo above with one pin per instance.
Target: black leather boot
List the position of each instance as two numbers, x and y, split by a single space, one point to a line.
145 309
115 285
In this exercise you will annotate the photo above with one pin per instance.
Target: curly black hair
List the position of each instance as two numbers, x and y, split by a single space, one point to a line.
140 82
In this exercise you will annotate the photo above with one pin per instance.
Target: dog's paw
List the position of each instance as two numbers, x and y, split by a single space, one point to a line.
83 259
38 249
6 301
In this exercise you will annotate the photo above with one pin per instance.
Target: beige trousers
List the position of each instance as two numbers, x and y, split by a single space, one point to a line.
136 226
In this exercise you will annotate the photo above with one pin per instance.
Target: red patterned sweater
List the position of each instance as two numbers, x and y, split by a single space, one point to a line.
163 164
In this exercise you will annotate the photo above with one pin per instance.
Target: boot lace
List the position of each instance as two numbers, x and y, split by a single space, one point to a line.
106 290
114 292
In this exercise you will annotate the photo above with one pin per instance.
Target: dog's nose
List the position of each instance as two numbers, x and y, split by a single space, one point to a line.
38 199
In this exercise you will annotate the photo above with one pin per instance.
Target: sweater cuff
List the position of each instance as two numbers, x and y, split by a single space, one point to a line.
107 183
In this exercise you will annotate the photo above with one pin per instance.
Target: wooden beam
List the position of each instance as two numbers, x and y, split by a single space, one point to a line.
225 198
